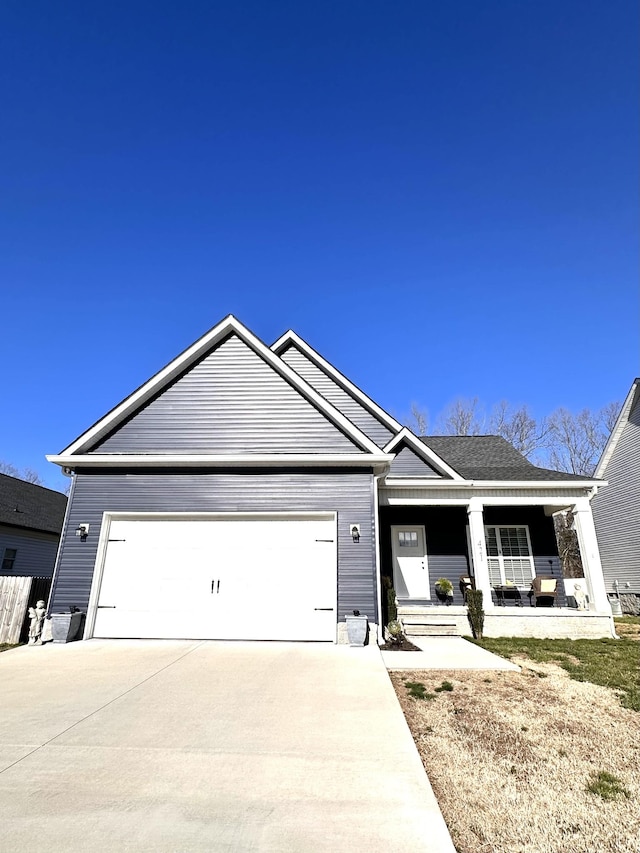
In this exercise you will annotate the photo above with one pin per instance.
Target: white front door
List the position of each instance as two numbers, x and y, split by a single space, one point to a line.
410 566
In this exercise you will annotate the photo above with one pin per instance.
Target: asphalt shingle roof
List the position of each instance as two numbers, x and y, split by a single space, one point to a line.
489 457
24 504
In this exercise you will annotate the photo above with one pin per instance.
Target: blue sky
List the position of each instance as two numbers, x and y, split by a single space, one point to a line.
440 197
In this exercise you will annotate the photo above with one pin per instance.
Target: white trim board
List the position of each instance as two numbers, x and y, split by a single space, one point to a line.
617 430
117 460
230 325
427 483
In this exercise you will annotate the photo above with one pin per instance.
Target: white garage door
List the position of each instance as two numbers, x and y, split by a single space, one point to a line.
244 578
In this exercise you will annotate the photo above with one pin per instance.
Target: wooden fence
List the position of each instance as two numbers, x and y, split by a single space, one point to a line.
17 594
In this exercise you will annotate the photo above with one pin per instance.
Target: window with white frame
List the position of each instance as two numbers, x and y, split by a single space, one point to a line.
509 555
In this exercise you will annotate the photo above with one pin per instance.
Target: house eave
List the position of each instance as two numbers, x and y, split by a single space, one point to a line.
429 483
379 462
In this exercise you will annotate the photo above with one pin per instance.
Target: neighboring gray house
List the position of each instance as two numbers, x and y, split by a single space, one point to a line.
616 509
254 492
30 525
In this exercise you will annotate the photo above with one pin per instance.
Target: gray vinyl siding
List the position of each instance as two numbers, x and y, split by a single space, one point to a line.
36 552
349 494
616 510
230 402
337 396
408 464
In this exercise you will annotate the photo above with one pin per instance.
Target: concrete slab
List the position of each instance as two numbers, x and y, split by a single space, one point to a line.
446 653
167 746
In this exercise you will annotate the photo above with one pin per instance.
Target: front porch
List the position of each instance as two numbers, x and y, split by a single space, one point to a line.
498 548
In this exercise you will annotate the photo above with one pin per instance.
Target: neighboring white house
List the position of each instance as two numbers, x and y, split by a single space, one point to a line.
616 509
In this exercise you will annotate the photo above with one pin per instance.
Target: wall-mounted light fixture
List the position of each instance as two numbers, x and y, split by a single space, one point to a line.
355 532
82 530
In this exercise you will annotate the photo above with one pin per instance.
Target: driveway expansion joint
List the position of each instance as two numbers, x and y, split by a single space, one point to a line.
101 708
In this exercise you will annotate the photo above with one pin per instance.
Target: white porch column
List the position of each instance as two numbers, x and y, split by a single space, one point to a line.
479 551
590 554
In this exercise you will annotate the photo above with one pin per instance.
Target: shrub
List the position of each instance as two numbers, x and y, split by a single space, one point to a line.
389 599
475 612
394 629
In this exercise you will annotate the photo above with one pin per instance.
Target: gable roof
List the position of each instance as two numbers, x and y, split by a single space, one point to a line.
625 413
406 437
78 451
290 338
491 457
26 505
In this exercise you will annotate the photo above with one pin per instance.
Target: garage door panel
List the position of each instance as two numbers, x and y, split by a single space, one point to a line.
216 579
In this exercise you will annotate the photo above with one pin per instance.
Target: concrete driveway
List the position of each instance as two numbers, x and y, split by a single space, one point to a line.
208 746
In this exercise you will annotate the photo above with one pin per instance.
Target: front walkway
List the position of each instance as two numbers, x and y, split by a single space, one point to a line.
446 653
165 746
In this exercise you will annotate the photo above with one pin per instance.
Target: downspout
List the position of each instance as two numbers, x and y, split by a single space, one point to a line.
376 535
63 536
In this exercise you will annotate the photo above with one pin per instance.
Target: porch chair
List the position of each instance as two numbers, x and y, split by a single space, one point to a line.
466 583
545 589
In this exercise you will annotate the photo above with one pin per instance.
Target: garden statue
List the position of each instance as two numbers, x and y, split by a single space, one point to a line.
580 597
36 614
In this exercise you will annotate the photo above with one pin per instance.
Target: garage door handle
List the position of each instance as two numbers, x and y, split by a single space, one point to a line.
106 607
323 608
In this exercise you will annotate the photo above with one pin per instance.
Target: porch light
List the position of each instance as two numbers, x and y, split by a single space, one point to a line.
82 530
355 532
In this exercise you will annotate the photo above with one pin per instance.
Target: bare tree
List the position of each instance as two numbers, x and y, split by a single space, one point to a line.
577 440
419 420
27 474
519 427
610 414
564 441
462 417
568 546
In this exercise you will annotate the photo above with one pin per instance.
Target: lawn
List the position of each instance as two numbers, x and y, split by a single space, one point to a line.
610 663
542 761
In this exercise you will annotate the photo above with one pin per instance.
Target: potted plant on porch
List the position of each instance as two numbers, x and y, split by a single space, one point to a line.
444 590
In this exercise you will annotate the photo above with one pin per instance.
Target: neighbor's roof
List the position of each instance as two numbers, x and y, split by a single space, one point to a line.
490 457
26 505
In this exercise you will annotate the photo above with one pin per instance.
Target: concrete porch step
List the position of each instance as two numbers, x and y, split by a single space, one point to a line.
428 626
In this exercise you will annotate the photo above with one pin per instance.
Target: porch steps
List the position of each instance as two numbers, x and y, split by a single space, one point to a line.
423 625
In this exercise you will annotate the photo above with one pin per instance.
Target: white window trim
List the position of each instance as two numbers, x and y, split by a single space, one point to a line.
500 556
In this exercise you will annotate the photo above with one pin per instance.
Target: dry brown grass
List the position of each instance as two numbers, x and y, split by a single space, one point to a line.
510 755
